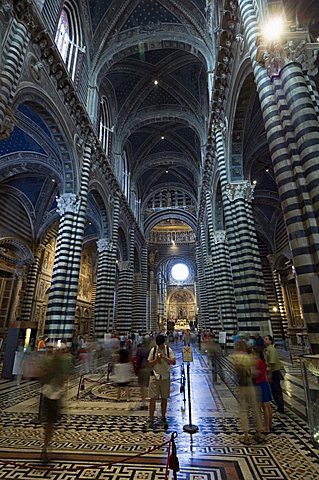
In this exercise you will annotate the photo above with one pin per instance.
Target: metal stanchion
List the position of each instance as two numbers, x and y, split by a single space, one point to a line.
190 428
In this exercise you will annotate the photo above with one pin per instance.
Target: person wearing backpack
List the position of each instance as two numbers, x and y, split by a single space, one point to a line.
160 358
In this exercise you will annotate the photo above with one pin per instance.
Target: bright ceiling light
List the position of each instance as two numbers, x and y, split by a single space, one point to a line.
155 82
166 171
180 271
162 137
273 29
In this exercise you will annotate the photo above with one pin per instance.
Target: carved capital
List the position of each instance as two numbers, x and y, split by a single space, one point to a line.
104 245
275 55
244 190
220 236
124 266
68 203
208 260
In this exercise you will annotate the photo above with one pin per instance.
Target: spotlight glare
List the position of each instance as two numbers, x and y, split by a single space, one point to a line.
273 29
155 82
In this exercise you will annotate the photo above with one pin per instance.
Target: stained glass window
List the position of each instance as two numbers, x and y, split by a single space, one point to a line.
62 38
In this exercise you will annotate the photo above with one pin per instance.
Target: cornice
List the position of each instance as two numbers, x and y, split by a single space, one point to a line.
222 74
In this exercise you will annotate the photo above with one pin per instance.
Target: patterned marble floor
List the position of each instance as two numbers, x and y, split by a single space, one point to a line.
100 438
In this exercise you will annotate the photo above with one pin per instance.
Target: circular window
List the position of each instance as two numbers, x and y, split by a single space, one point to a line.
180 271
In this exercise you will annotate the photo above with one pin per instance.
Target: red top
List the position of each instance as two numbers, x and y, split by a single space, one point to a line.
262 372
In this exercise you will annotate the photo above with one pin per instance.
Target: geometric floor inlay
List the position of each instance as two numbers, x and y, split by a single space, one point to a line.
97 433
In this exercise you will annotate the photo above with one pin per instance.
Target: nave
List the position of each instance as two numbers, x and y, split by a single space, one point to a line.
96 433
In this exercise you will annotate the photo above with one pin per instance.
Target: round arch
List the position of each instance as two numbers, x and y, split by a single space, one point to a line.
39 101
158 217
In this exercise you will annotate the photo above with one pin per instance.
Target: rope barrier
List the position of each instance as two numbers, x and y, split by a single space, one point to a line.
80 467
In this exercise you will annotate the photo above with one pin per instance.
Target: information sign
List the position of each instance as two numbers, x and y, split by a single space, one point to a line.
187 354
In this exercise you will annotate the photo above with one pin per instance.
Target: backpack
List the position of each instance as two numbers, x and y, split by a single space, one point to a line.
155 348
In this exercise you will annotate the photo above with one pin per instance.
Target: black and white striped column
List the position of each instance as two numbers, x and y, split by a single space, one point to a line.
125 290
27 307
124 300
201 254
12 58
66 270
224 284
253 312
103 311
291 124
139 303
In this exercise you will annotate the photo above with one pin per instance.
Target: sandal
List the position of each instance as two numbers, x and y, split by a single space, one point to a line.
245 440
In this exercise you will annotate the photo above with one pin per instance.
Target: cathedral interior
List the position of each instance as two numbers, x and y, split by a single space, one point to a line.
159 166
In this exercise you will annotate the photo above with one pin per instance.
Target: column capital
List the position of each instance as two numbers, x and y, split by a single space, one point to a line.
220 236
104 245
296 49
272 259
124 266
244 190
39 249
208 260
68 203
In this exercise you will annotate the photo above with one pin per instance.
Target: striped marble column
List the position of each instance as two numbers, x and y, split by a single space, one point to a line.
201 254
153 301
29 294
283 326
230 219
253 312
124 306
102 310
293 158
12 58
143 304
223 281
66 270
138 303
224 284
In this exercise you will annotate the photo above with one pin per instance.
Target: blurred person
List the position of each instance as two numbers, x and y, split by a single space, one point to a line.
274 372
244 364
142 369
54 370
41 344
264 393
187 337
160 358
259 341
214 352
123 374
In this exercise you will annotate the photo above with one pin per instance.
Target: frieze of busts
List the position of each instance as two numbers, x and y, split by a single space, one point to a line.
35 68
68 203
6 8
8 125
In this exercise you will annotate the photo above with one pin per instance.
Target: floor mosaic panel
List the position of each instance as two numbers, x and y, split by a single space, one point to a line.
97 431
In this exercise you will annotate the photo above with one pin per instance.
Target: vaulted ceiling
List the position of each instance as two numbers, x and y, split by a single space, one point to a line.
151 57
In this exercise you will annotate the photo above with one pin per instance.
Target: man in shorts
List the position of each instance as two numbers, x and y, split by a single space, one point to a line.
160 358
